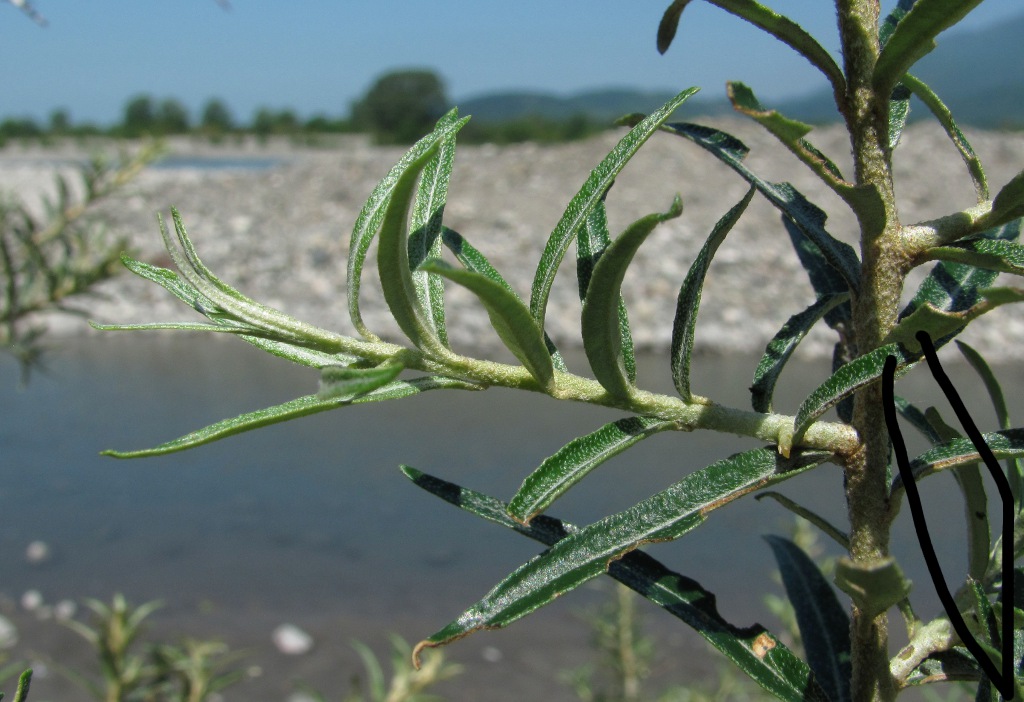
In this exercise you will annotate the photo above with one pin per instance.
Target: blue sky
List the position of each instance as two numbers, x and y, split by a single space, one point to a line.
317 56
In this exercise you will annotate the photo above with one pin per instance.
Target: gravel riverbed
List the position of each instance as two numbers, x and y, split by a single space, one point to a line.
280 234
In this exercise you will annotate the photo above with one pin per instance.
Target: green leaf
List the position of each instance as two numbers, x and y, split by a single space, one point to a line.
475 261
588 553
222 304
849 378
1008 443
937 323
342 382
873 587
899 101
888 25
954 664
753 649
809 218
24 682
899 110
811 516
509 317
983 252
396 281
600 320
575 460
372 214
170 281
299 354
778 351
293 409
688 301
584 202
782 28
1008 204
914 37
591 242
945 117
956 287
427 214
917 419
864 199
824 277
1014 472
824 624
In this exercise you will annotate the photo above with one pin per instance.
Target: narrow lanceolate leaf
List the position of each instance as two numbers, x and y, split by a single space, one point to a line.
338 382
372 214
809 218
887 26
575 460
914 37
226 303
688 302
1008 204
782 28
300 354
955 287
865 200
849 378
825 279
899 110
945 117
171 282
968 479
779 350
899 101
756 651
393 262
829 529
823 622
1008 443
584 202
475 261
222 322
982 252
509 317
591 241
299 407
1014 472
600 320
424 242
588 553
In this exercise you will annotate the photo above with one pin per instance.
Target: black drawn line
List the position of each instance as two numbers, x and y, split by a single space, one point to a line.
1003 680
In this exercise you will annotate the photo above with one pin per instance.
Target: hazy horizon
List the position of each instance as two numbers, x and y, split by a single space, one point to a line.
93 57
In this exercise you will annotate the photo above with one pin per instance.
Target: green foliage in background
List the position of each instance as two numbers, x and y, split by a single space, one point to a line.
190 671
47 261
859 295
401 105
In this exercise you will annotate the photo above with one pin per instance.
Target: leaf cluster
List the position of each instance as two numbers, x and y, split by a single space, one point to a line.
417 255
44 262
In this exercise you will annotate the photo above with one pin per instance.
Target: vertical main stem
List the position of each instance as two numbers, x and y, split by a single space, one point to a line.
874 314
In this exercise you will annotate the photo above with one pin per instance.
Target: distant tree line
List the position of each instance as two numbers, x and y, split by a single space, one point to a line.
399 107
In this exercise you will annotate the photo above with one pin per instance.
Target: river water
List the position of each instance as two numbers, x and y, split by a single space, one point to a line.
311 521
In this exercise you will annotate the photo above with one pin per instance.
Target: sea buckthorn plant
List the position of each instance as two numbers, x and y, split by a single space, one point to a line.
879 339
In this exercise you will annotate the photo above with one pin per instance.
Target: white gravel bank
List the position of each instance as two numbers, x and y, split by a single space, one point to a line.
281 235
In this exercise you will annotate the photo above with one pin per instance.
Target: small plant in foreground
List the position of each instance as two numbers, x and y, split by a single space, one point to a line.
406 684
187 672
979 636
44 262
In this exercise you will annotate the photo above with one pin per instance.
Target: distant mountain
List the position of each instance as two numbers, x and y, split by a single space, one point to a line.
979 74
602 105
